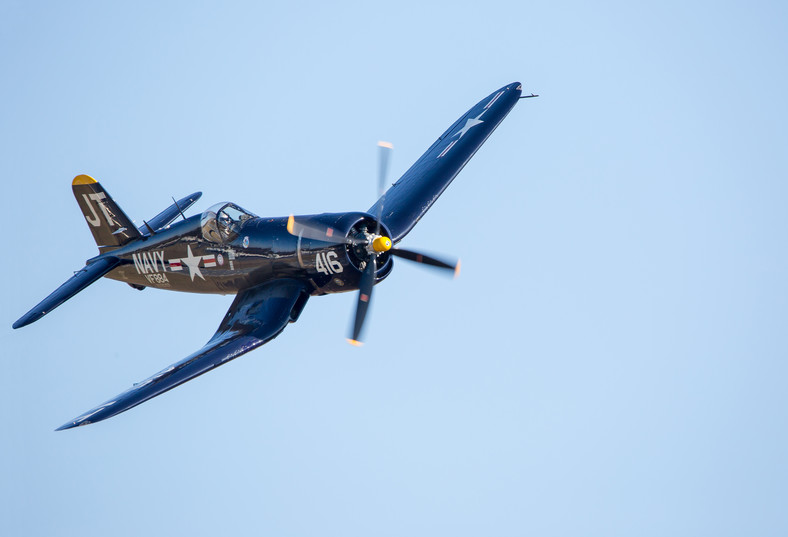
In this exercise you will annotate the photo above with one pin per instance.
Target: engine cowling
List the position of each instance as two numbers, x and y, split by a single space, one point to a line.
337 268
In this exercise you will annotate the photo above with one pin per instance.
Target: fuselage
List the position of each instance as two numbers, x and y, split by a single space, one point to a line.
202 255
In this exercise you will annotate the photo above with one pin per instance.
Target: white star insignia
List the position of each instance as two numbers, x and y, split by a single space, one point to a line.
470 123
193 262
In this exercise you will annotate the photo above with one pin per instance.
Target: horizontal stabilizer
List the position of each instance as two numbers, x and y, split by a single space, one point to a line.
74 285
170 213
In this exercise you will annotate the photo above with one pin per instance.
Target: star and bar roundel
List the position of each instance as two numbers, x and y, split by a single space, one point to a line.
153 262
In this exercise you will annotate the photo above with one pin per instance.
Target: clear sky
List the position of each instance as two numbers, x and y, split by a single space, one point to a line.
612 360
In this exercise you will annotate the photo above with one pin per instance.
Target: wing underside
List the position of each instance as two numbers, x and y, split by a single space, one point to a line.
256 316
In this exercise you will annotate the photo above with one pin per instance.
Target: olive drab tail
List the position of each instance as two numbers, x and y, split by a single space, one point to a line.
110 226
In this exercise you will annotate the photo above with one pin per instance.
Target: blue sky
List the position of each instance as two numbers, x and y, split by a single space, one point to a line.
612 360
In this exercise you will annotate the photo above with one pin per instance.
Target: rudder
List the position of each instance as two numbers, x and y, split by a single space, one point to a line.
110 226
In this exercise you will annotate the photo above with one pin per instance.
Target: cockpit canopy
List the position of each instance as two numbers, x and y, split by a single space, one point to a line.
222 222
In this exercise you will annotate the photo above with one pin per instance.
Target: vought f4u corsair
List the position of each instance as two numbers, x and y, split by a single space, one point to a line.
272 265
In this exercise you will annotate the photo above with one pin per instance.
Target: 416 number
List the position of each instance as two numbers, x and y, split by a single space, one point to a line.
327 263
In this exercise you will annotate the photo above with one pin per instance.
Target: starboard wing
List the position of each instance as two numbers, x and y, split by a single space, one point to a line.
256 316
414 193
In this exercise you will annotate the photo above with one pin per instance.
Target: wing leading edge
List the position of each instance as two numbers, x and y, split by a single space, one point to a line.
255 317
414 193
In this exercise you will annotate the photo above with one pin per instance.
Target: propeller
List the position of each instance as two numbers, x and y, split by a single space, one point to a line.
364 296
384 155
326 234
372 245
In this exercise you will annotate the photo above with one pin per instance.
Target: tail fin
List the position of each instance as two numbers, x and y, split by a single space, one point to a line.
110 226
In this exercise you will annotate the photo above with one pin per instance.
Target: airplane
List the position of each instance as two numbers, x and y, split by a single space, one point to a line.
272 265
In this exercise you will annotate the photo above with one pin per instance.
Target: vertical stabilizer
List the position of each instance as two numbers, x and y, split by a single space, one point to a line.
110 226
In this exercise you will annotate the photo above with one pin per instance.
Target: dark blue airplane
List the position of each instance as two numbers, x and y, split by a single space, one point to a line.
272 265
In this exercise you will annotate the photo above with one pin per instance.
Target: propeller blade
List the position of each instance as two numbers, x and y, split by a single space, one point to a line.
326 234
426 260
384 156
383 169
364 296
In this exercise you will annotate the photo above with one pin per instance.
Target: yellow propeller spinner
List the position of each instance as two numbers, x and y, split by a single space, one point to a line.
381 244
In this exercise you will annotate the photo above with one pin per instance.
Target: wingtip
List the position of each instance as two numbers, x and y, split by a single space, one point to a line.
457 270
69 425
74 424
354 342
290 224
26 319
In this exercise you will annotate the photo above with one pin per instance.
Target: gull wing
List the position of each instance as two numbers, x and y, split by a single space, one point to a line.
257 316
414 193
